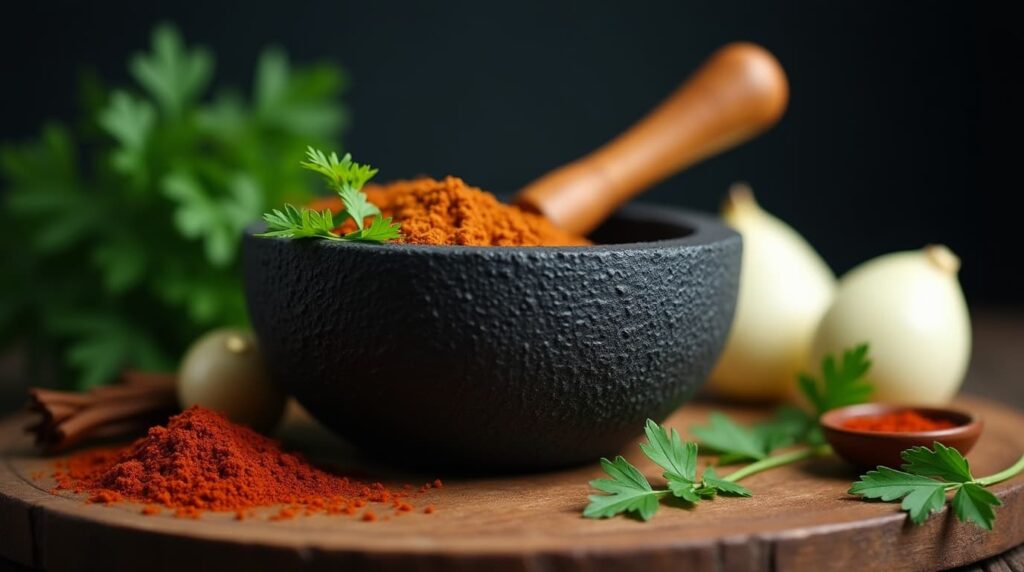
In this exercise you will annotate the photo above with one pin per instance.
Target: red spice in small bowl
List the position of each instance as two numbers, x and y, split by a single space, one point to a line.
905 421
872 434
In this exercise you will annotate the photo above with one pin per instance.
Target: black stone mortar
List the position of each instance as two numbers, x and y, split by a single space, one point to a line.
497 358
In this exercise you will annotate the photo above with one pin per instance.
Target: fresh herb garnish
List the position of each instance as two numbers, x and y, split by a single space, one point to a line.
736 443
347 178
840 386
121 227
629 490
927 476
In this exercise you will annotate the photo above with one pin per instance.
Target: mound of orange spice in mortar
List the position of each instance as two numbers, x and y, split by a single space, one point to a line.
451 212
202 462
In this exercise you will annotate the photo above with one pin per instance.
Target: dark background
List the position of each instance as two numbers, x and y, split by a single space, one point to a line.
899 131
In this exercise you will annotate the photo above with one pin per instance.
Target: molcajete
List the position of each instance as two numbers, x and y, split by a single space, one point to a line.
497 358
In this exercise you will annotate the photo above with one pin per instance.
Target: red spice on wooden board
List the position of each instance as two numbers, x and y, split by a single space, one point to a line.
202 462
904 421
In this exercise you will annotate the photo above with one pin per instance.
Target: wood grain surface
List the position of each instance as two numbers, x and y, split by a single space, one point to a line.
800 519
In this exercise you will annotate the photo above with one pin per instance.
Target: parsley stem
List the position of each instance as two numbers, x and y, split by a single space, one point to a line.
778 461
1003 475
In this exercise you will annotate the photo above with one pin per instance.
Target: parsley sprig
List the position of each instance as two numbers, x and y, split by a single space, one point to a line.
628 491
121 226
736 443
927 476
346 177
840 385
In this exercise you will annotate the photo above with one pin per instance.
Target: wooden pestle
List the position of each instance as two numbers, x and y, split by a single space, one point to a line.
737 93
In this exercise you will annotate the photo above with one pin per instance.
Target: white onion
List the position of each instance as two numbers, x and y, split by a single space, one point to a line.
785 288
908 306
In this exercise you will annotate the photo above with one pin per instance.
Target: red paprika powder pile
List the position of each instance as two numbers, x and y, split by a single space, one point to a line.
905 421
202 462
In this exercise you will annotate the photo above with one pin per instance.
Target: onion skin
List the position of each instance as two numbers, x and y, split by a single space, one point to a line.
785 289
910 309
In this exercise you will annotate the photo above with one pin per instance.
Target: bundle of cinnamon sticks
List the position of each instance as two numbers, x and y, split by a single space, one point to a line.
138 401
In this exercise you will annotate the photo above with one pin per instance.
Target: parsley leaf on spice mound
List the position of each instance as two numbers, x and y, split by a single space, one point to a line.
202 462
449 211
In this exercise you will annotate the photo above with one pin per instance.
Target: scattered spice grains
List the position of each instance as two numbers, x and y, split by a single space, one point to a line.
202 462
904 421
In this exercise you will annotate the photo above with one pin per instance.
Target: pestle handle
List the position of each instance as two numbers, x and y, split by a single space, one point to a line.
738 92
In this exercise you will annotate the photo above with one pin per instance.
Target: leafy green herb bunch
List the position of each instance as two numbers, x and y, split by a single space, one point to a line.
122 229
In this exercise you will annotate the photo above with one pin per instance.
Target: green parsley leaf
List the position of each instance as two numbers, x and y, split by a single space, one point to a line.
735 442
669 452
130 121
357 206
709 485
122 262
215 218
346 177
173 75
944 462
840 385
340 173
295 98
130 214
103 344
628 491
789 426
974 503
679 460
712 481
921 495
684 488
296 223
381 229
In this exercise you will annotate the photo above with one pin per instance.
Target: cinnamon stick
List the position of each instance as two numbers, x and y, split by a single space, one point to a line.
137 401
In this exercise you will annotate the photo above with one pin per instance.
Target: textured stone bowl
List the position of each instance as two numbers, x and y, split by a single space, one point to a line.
497 358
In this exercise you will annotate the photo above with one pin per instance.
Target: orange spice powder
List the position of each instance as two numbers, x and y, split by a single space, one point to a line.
451 212
202 462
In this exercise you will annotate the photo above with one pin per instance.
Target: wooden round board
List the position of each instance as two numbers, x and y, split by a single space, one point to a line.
801 518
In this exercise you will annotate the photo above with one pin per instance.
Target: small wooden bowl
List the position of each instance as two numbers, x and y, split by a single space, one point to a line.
868 449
